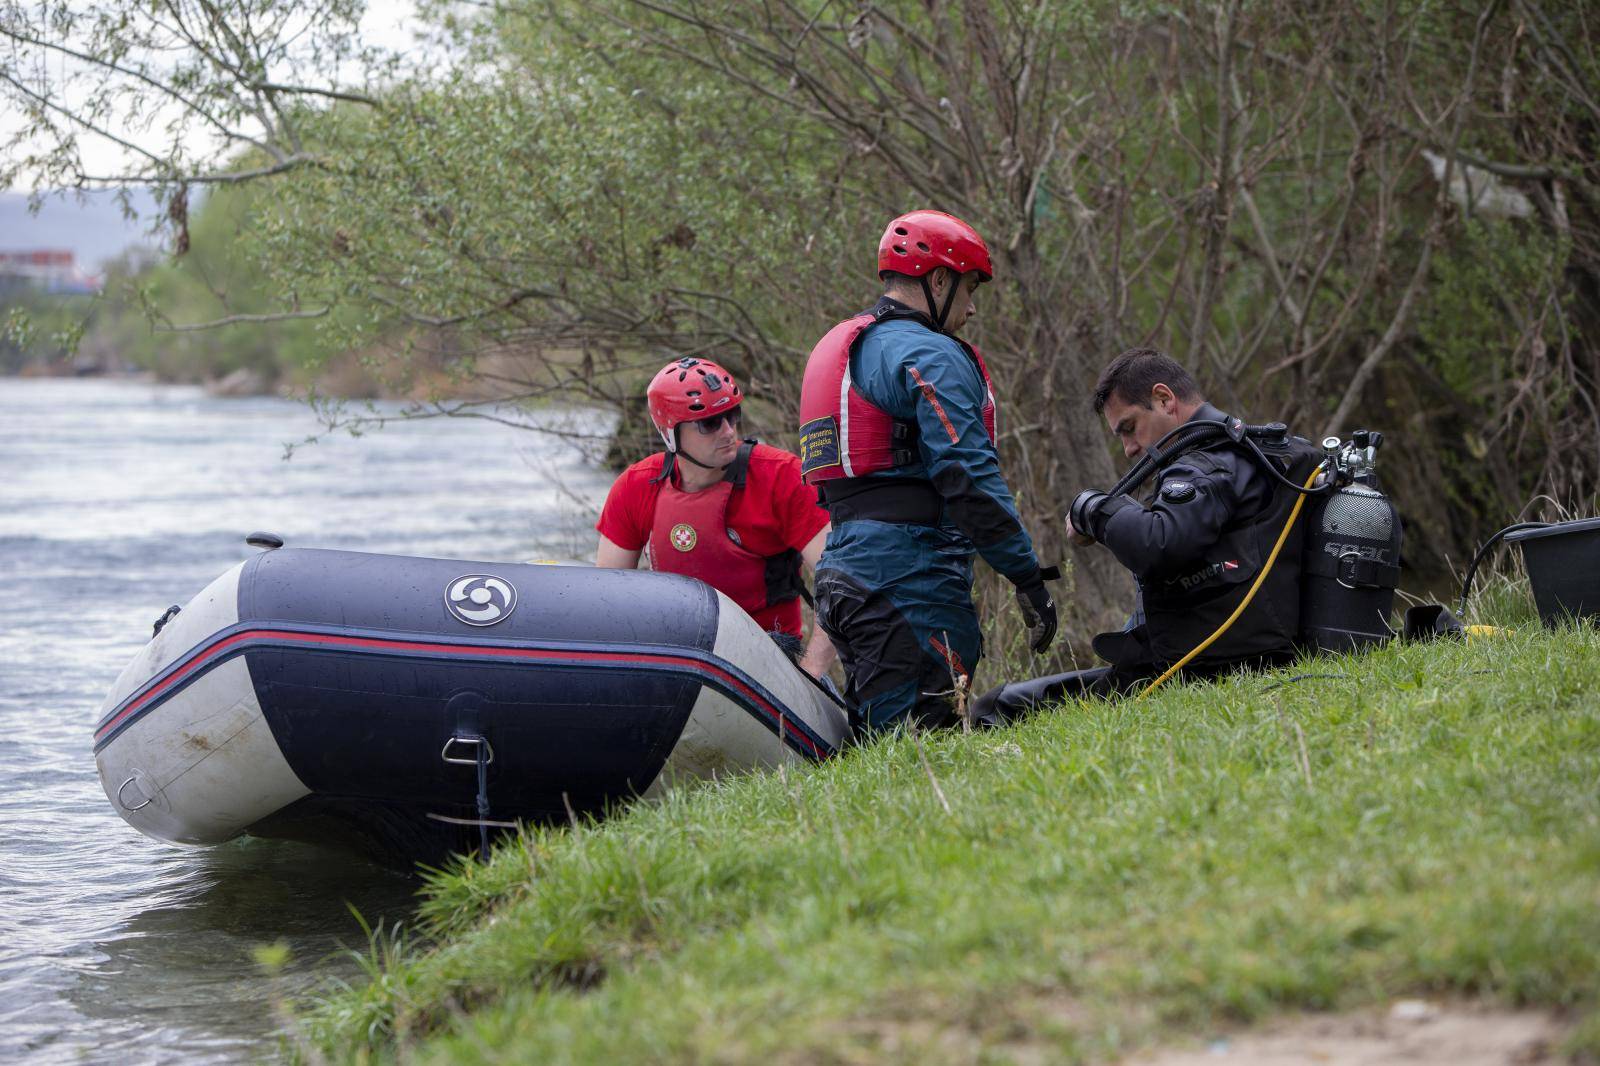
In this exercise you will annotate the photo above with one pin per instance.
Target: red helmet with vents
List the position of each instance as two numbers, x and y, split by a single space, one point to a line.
687 390
915 243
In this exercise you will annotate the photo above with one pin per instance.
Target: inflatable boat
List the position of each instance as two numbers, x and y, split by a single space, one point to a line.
406 706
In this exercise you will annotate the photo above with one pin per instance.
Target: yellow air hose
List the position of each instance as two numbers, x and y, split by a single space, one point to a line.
1300 501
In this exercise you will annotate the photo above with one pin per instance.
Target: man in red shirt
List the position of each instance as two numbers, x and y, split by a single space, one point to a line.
733 513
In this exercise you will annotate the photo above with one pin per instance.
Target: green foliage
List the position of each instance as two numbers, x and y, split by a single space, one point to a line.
145 315
40 328
177 85
1584 1040
564 201
1424 822
367 1007
220 276
1477 321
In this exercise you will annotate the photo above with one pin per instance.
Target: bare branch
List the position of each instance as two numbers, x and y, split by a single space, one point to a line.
1397 324
188 102
227 177
234 320
309 90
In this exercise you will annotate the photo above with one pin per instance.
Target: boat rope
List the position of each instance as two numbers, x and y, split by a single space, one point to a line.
483 799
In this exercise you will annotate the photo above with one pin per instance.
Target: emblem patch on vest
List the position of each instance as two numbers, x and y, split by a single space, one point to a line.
819 444
683 537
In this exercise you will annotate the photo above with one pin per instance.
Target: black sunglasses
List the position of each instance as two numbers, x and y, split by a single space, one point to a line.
708 426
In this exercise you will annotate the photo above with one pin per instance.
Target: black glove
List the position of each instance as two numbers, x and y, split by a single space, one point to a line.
1038 611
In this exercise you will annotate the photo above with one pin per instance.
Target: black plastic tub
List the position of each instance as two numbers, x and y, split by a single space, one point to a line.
1563 561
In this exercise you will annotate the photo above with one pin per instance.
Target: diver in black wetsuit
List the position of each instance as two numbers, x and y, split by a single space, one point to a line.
1195 544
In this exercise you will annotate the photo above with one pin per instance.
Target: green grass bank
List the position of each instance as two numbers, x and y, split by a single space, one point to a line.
1094 880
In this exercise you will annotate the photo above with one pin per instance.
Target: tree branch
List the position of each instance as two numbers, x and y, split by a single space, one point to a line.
234 320
310 90
228 177
1397 324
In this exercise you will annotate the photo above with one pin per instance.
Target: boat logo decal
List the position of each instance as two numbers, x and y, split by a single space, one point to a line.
684 538
480 600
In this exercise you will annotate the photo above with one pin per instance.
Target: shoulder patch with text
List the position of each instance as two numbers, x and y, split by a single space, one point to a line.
819 444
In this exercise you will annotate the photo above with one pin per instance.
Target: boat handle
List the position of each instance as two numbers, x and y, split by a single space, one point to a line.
444 752
148 800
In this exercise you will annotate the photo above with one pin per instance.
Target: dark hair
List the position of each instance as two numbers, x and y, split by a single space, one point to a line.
1136 371
893 278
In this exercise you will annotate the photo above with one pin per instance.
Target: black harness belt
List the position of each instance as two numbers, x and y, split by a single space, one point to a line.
1354 570
909 501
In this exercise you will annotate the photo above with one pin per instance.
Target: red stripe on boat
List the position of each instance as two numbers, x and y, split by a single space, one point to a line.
457 649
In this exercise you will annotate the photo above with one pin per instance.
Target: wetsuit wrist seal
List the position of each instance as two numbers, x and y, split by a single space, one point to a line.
1093 509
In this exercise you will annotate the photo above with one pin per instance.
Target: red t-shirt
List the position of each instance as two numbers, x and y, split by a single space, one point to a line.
773 513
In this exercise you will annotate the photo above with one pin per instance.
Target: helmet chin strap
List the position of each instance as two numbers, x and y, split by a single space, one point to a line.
677 431
944 312
703 466
671 460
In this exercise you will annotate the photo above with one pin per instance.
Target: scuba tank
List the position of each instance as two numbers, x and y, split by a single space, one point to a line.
1351 565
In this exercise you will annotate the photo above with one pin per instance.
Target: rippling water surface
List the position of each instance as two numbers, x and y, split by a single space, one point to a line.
117 499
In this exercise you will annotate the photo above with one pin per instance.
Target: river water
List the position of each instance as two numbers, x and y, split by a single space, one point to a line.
116 499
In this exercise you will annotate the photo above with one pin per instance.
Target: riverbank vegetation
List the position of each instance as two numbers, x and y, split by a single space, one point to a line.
1420 821
1345 215
212 316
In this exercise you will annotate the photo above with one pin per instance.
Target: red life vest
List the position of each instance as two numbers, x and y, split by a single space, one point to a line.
842 433
690 535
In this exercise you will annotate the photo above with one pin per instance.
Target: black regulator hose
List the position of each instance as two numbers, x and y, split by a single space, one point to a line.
1153 456
1304 490
1242 434
1466 583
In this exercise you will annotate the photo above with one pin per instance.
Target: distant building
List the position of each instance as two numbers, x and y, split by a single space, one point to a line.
52 270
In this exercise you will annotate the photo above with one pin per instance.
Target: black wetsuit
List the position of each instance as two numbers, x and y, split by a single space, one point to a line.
1195 545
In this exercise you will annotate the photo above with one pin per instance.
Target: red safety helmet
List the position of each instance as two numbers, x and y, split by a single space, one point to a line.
915 243
687 390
